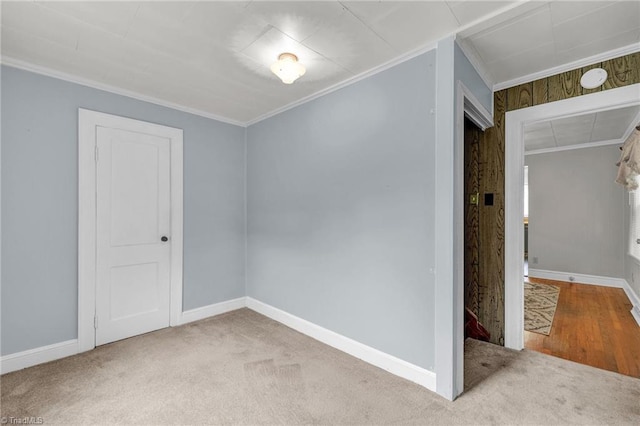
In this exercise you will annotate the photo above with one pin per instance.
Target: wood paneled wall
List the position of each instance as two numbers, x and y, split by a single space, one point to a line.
472 139
621 72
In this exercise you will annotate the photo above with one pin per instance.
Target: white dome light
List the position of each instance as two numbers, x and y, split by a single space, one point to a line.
287 68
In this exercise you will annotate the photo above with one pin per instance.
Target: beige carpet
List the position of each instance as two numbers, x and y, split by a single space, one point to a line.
242 368
540 303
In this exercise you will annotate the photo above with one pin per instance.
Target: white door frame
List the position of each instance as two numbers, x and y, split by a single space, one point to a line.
514 184
466 104
87 123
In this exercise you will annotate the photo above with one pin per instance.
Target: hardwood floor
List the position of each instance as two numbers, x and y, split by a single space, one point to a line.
592 326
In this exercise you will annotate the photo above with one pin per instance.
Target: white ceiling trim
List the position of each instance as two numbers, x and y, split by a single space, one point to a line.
499 16
605 56
572 147
383 67
398 60
471 56
16 63
478 65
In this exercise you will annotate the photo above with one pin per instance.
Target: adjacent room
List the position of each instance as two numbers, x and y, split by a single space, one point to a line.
257 212
579 240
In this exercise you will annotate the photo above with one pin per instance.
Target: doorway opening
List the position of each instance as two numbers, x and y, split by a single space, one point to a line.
474 219
472 119
578 233
516 125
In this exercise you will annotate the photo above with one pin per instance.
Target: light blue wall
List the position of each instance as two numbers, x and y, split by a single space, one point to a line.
447 320
466 73
341 211
40 204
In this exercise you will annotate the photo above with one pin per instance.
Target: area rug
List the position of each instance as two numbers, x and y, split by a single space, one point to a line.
540 302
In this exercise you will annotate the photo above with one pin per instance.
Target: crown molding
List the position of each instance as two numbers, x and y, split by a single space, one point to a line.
478 64
621 141
16 63
349 81
400 59
601 57
572 147
37 69
462 34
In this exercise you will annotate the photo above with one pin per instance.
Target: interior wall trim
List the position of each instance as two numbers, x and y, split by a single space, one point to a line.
621 141
31 357
366 353
593 280
570 66
572 147
578 278
466 104
635 310
344 83
393 365
212 310
635 300
48 72
26 66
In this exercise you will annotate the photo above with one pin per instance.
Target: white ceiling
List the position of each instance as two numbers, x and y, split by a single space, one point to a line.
549 35
605 127
214 57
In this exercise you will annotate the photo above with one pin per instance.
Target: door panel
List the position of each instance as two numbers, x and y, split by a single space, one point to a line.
133 290
133 214
135 168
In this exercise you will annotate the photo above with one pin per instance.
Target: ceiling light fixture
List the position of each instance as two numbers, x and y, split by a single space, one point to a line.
287 68
593 78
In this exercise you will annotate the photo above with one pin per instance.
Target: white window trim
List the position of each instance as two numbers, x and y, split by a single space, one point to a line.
87 123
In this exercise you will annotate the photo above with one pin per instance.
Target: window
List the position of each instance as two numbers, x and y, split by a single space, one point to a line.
634 225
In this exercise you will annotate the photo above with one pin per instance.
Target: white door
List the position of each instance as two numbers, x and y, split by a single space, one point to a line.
133 220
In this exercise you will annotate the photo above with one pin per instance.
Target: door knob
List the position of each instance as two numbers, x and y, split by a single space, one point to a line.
164 239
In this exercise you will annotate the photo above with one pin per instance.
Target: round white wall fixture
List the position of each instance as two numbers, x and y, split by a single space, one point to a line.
593 78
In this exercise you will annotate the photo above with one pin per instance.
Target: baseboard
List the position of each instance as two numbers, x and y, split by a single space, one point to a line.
366 353
31 357
635 301
635 312
212 310
593 280
577 278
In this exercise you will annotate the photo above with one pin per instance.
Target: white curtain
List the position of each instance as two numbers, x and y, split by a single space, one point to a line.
629 164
